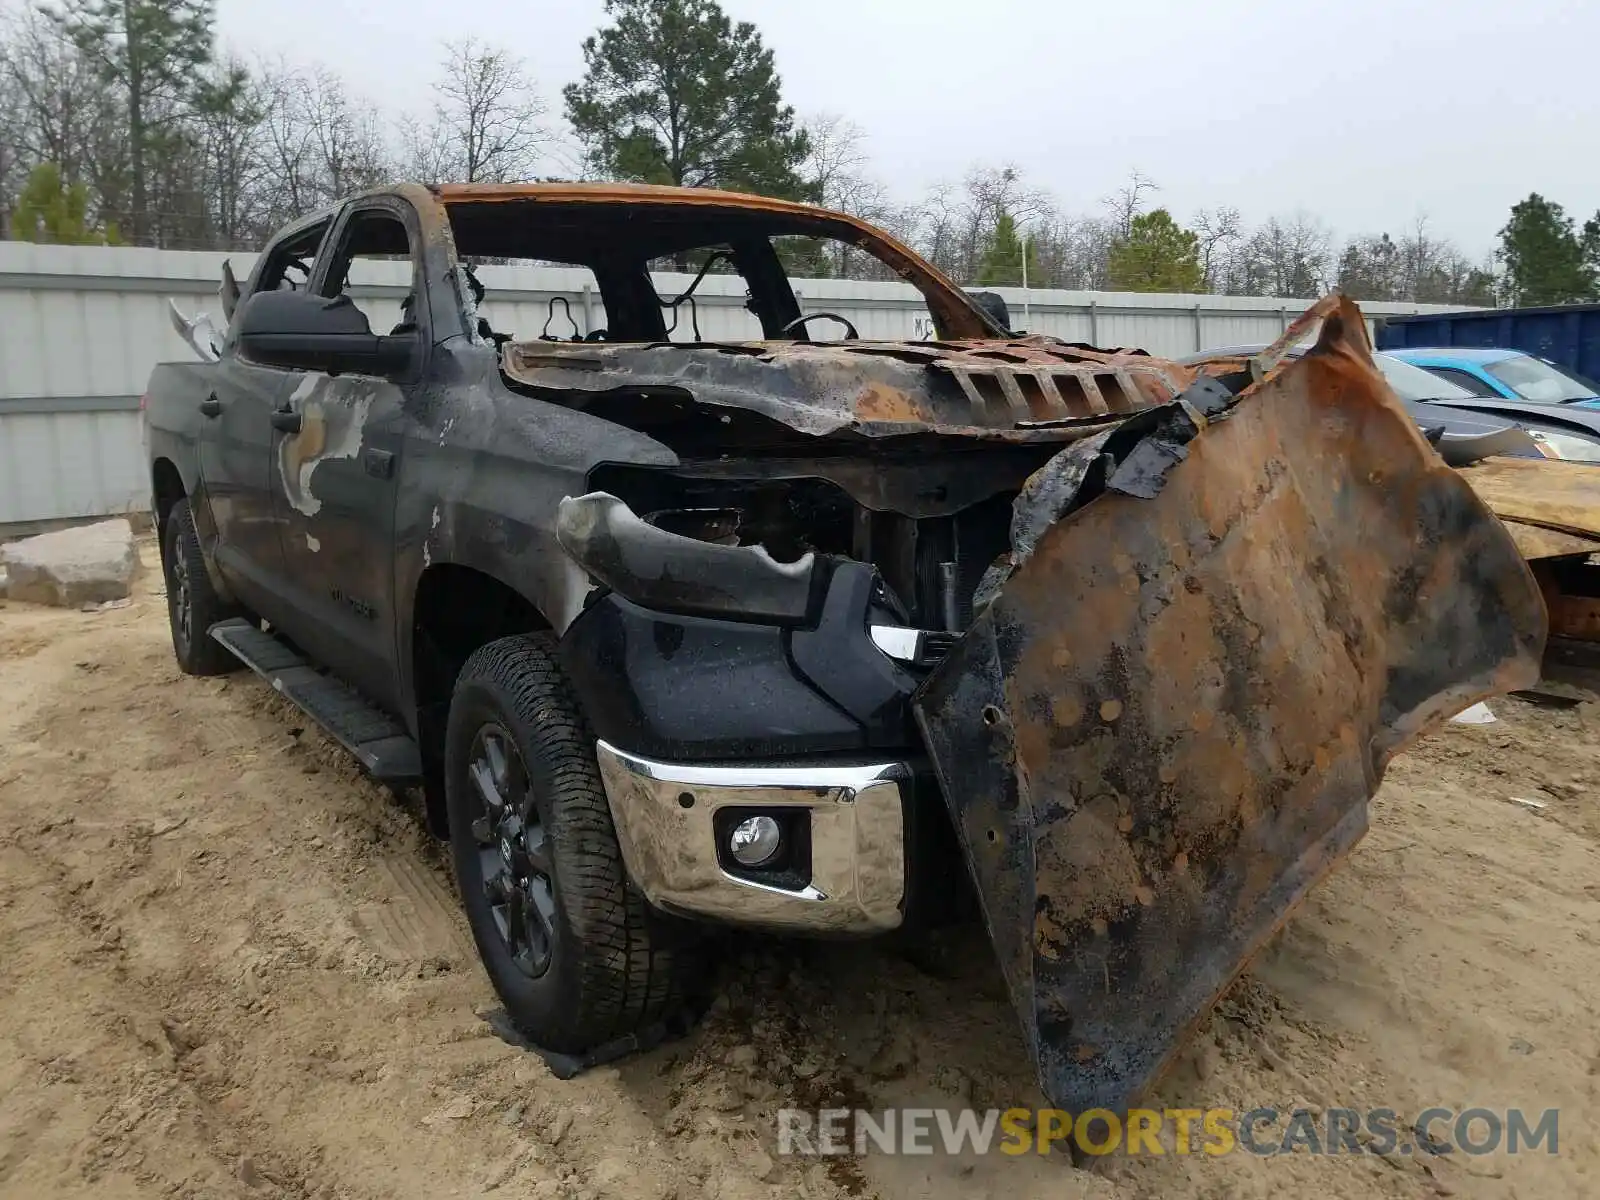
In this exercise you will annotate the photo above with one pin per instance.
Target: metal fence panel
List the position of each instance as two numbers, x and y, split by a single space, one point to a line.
82 326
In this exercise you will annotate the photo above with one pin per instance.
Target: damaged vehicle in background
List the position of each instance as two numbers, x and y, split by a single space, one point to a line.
819 636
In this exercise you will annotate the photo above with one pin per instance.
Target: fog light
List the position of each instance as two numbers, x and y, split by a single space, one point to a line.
754 841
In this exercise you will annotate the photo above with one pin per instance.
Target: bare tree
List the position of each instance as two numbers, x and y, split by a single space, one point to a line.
288 173
1221 230
426 151
1289 257
14 166
1417 267
990 191
58 95
485 126
934 226
317 144
837 157
229 139
1074 251
1368 268
59 109
835 168
348 138
1127 202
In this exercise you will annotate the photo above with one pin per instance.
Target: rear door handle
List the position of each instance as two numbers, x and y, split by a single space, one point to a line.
211 406
287 420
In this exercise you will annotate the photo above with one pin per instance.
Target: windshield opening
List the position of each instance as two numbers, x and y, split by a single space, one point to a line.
687 272
1537 381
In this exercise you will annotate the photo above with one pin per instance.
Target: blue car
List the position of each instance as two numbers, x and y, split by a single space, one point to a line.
1504 374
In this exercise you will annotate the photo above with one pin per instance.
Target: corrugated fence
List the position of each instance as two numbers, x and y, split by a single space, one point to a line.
81 327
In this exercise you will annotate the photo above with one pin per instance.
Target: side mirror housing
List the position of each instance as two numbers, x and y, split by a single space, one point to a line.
297 331
994 306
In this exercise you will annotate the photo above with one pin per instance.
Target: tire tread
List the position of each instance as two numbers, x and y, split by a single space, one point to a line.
205 655
627 978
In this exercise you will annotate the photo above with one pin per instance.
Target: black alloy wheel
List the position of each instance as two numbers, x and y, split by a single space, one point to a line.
513 851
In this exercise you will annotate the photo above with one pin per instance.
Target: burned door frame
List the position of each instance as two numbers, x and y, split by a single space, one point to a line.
235 446
334 488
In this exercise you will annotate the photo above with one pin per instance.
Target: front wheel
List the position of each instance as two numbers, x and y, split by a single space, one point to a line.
572 949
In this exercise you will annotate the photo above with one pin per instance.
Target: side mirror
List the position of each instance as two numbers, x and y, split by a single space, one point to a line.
994 306
297 331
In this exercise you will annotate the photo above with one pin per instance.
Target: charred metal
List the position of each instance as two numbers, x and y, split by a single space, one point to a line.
1258 624
676 573
1111 651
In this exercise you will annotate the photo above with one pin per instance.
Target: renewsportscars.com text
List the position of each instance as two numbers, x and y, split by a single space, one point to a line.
1212 1132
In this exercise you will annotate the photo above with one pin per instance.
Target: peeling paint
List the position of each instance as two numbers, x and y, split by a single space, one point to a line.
333 419
427 551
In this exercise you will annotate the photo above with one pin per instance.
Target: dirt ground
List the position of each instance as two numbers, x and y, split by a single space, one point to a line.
229 967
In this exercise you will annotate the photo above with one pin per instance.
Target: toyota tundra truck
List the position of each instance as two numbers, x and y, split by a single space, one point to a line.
811 631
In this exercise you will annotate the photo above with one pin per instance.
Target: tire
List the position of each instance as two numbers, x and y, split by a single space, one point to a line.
193 606
576 956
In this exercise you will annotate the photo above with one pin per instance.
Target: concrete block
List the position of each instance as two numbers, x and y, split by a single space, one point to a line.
73 567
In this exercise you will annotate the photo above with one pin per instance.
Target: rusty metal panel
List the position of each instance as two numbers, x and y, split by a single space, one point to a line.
1535 541
989 390
1167 724
1555 495
1571 588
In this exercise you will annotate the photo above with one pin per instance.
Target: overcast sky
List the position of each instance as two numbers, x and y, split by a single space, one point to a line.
1367 113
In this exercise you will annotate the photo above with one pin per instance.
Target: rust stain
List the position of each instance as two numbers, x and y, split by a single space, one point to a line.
881 403
1048 937
1066 710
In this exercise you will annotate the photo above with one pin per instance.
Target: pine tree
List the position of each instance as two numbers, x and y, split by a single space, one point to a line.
49 209
154 51
673 92
1002 259
1543 255
1158 255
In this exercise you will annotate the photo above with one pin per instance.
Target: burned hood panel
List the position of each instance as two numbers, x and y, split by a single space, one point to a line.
1028 389
1167 724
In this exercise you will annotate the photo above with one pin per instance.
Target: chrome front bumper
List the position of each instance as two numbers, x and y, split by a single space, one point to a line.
665 819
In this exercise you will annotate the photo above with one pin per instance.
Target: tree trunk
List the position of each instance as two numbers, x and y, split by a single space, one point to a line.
139 218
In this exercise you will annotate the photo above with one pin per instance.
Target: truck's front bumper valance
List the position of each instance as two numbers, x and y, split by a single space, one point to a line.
842 866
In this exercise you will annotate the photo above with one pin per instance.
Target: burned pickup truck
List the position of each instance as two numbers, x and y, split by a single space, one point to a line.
816 636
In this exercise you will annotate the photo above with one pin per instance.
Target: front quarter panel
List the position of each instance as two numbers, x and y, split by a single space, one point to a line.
482 474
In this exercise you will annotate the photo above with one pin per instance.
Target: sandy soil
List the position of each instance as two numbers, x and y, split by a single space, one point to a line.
229 967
